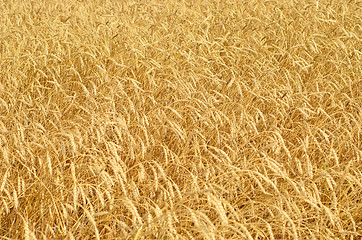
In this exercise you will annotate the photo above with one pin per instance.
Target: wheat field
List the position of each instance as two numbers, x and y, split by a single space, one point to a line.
181 119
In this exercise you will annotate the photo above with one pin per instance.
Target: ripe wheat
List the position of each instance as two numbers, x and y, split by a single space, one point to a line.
180 119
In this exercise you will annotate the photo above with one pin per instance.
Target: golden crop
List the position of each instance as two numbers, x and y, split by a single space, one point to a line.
180 119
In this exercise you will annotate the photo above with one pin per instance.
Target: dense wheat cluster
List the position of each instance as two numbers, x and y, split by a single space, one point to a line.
180 119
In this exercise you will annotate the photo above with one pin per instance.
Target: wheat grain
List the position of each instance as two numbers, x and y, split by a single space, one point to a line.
136 217
219 208
27 232
92 221
3 182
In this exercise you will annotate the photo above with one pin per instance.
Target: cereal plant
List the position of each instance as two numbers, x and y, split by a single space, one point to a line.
180 119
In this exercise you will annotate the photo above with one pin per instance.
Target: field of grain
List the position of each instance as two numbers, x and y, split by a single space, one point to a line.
181 119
